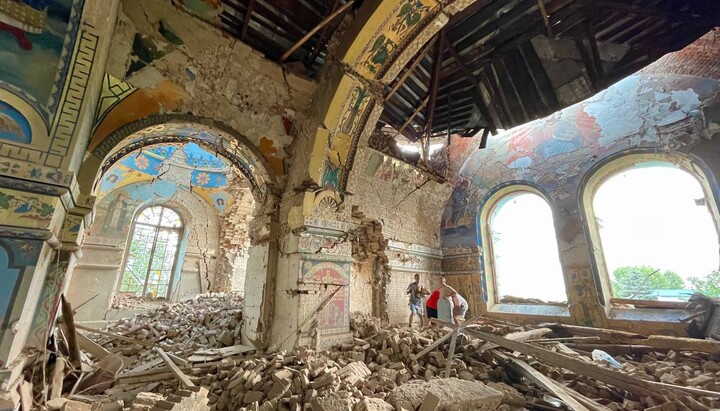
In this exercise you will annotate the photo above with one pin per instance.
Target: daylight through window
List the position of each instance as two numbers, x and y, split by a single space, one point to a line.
524 249
659 240
152 252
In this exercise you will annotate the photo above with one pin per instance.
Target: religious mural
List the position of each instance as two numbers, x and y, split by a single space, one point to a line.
388 169
554 154
38 34
13 125
336 315
407 16
166 168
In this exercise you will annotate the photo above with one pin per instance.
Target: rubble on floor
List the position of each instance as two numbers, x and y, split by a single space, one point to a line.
484 364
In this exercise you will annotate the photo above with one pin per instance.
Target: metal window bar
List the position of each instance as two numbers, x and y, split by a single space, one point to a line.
157 267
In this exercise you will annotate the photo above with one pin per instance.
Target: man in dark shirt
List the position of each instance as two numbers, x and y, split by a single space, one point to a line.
415 291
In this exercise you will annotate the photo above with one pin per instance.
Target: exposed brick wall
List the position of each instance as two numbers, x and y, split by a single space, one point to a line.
701 59
370 252
409 210
235 237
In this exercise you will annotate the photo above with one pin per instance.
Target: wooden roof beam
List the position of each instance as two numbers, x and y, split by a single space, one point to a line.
435 79
246 20
639 10
410 69
315 29
322 40
479 100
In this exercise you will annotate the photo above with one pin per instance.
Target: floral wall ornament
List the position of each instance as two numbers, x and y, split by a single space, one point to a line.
411 13
379 53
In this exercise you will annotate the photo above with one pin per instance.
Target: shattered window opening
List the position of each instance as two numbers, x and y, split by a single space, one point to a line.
151 254
658 237
525 256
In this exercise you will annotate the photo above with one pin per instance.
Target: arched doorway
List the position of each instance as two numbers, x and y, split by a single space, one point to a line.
214 181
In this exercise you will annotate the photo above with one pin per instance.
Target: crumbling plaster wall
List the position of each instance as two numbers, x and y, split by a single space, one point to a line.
221 78
99 269
235 237
407 205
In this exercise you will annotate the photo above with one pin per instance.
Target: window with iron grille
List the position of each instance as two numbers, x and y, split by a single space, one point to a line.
150 256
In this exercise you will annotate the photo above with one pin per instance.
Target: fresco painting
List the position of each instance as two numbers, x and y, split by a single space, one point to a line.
555 152
17 260
38 34
336 315
167 167
25 209
14 126
389 169
231 148
407 16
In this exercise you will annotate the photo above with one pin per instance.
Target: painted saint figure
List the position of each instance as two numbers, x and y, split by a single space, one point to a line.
23 16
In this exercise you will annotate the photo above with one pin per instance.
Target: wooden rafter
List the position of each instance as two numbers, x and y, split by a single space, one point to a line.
323 36
639 10
246 20
410 119
434 81
479 100
317 28
410 69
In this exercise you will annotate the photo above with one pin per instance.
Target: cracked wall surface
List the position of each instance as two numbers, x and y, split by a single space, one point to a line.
161 47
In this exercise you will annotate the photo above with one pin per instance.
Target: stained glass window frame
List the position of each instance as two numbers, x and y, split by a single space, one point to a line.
164 232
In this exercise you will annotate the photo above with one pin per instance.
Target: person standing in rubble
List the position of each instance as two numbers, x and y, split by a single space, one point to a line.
445 304
431 305
416 292
460 307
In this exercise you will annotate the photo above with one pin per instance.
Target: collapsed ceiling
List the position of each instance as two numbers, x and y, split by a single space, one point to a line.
500 63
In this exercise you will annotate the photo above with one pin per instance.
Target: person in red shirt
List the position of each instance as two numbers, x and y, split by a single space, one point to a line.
431 304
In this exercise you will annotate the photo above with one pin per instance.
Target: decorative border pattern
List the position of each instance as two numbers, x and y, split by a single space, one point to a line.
66 121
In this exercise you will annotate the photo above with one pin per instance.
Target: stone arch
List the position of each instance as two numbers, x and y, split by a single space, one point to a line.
221 140
381 46
177 128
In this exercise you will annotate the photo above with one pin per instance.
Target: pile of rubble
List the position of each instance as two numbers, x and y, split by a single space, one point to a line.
205 322
191 352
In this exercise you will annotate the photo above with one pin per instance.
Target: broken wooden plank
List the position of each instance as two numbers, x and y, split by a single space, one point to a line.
114 336
605 375
68 327
682 344
58 375
184 380
518 336
613 336
91 347
544 382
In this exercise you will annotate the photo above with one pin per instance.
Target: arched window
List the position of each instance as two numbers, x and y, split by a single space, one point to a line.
151 254
521 253
657 234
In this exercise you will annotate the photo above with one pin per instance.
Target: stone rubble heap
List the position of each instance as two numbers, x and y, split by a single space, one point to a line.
207 321
194 347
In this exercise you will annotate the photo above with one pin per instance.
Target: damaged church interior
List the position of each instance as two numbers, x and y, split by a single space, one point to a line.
359 205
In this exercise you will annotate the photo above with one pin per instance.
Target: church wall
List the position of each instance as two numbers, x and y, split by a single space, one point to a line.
193 68
99 269
662 110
